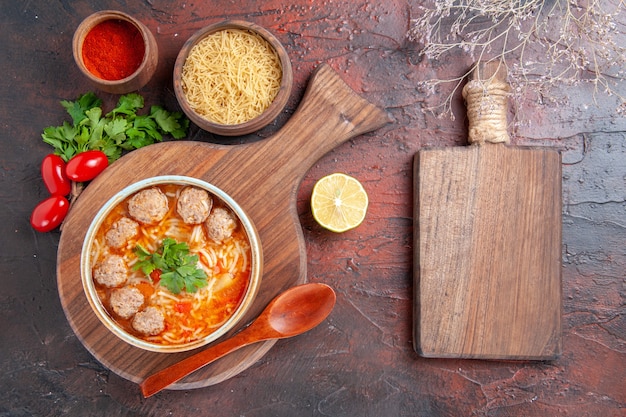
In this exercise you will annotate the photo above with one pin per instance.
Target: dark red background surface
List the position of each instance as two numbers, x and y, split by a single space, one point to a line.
360 361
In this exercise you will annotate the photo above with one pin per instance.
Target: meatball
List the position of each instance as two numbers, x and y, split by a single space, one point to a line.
112 272
126 301
194 205
121 231
148 206
220 224
149 321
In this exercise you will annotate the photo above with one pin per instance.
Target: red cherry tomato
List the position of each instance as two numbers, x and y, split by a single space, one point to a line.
53 174
86 166
49 214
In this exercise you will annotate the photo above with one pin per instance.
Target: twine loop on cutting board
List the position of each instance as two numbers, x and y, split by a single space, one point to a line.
487 109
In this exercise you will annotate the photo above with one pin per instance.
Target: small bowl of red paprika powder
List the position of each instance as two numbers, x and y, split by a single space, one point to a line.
115 51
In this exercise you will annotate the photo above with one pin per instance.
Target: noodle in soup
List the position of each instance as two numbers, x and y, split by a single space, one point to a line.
186 316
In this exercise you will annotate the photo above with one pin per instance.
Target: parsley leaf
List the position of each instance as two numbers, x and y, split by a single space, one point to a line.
120 130
62 139
172 123
179 268
77 108
127 104
116 129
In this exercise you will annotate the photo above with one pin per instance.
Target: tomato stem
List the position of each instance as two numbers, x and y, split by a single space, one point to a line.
77 189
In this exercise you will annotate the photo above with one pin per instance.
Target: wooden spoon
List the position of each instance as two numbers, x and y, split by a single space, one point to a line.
295 311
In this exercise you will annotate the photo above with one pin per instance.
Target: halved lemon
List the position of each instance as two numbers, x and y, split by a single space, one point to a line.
339 202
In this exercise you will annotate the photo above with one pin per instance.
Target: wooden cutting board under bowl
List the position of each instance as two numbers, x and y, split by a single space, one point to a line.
487 239
263 177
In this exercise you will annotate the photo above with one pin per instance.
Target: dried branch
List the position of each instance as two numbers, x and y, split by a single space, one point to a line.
543 43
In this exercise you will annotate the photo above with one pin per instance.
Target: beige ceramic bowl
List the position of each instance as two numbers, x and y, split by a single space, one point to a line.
142 74
264 118
90 288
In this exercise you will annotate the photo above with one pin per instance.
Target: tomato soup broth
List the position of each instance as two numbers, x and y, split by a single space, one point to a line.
188 316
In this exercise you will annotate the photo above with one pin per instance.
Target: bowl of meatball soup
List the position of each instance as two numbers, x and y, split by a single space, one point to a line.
171 263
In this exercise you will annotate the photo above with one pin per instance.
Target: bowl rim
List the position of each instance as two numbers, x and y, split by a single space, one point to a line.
91 21
89 286
262 120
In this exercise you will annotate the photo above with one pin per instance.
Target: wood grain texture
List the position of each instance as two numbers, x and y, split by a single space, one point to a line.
488 246
262 177
291 313
360 361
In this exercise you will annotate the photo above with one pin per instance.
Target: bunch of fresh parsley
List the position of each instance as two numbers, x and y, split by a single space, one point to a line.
120 130
179 269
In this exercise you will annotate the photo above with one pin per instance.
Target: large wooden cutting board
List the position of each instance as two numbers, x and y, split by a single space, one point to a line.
487 273
263 177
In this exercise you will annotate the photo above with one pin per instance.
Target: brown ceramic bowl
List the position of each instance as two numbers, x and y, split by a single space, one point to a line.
132 82
94 292
256 123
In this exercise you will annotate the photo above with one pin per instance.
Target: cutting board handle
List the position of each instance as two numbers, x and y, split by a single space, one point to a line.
487 98
329 114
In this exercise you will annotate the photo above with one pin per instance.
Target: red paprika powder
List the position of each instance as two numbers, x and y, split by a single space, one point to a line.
113 49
